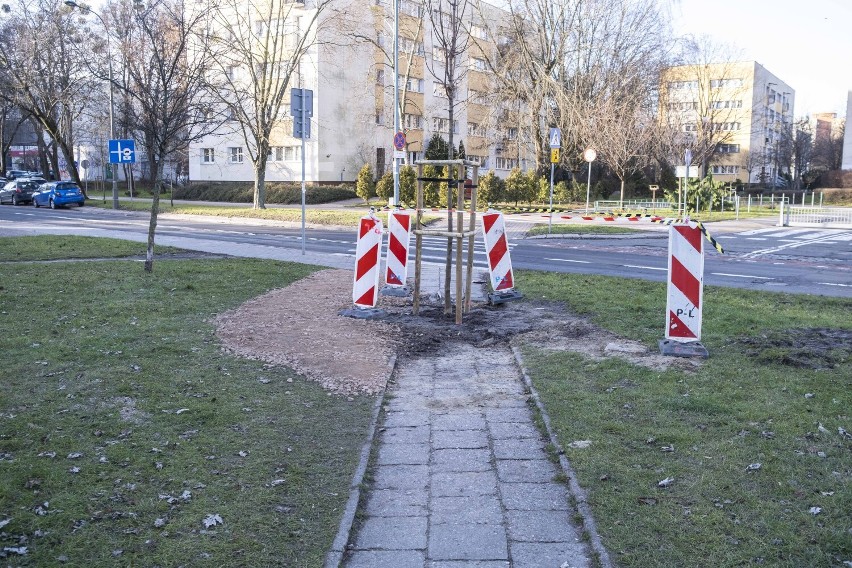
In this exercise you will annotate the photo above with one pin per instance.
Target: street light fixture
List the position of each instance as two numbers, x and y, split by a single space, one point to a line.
72 4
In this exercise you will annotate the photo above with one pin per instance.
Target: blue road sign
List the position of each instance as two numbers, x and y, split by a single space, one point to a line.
555 138
301 101
122 152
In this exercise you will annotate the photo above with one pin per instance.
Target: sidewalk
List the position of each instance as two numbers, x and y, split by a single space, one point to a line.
462 477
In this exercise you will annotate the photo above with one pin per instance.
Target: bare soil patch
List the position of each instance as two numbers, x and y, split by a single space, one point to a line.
299 326
807 348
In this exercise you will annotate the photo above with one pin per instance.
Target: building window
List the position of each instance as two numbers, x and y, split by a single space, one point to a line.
511 133
442 124
276 154
688 105
478 32
412 121
729 148
439 55
478 64
506 163
682 85
726 104
407 45
726 170
292 153
411 8
476 129
481 160
719 83
235 155
380 39
413 85
380 117
208 155
438 90
380 77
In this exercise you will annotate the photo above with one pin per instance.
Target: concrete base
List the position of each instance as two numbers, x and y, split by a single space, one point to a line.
495 298
678 349
362 313
395 291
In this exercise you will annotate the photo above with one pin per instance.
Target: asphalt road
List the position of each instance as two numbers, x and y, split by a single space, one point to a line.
757 255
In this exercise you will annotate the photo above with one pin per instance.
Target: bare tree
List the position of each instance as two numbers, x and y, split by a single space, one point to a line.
450 41
164 80
257 49
44 78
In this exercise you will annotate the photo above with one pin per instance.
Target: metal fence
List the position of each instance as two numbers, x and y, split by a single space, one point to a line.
631 204
826 217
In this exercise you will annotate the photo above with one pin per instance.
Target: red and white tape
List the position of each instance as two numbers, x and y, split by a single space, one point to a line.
684 299
497 251
396 260
365 287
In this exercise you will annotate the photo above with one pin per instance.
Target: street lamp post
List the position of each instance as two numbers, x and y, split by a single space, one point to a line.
589 155
72 4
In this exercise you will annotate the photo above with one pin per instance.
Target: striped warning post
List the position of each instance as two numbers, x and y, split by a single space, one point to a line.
365 287
497 251
685 284
396 259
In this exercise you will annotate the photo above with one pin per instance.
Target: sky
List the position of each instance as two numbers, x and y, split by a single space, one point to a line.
805 43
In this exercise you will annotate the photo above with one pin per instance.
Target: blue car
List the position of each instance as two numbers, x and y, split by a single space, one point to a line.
58 193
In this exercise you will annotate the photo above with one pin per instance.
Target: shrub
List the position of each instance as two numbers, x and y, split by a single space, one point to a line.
384 189
365 187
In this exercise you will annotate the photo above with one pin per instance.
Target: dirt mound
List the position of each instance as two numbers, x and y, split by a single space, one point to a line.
299 326
807 348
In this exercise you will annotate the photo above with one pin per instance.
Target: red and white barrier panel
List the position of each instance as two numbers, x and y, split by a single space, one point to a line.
365 288
497 251
686 283
396 259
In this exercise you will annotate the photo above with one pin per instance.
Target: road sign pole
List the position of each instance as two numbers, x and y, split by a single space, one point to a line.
304 130
550 216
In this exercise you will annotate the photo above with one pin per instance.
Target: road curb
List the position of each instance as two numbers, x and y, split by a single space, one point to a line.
579 494
338 548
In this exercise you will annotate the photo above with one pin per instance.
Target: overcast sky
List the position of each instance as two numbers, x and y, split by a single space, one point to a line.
805 43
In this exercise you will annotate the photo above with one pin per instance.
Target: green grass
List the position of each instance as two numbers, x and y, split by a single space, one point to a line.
124 368
68 247
742 406
562 229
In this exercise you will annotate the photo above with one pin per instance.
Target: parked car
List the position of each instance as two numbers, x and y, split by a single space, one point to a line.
12 174
18 191
58 193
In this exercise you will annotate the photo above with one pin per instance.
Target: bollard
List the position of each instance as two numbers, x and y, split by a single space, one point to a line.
684 299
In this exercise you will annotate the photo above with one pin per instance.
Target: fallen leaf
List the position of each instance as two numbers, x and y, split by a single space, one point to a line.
159 523
844 433
186 495
823 493
668 448
46 454
822 428
181 410
815 510
809 395
276 482
666 482
74 455
647 500
242 453
212 520
22 550
74 470
753 467
5 522
580 444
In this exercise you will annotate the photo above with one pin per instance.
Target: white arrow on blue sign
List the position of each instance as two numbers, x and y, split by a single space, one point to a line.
122 152
555 138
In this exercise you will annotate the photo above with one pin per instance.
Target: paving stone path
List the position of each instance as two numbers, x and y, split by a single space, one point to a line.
462 477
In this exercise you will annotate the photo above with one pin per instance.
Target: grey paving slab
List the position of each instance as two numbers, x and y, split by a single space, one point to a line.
530 471
407 418
519 449
519 414
461 459
508 430
400 533
534 496
540 526
469 564
463 484
481 509
468 542
386 559
397 503
406 435
550 555
460 439
460 420
404 454
401 477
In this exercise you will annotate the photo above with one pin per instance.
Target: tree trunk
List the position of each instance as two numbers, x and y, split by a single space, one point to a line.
152 225
260 176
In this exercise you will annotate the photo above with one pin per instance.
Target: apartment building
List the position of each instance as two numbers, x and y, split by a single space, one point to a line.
847 135
350 70
736 118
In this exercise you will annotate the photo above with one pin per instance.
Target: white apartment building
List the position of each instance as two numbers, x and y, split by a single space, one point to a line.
349 69
847 135
739 112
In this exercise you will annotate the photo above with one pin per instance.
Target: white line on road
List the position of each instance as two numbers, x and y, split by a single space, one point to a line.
569 260
835 284
644 267
751 238
741 276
